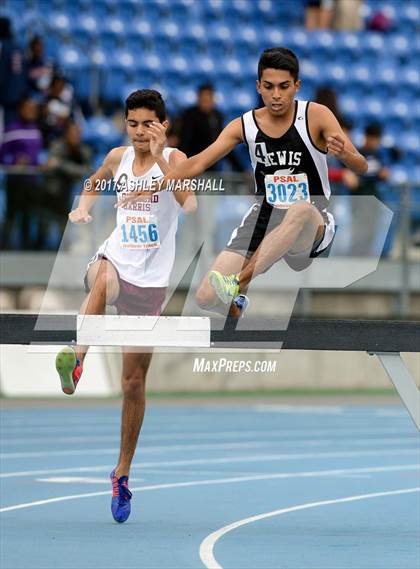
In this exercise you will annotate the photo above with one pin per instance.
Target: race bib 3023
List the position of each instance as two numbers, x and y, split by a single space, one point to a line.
283 189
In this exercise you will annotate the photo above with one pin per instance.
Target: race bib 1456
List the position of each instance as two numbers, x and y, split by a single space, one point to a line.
139 232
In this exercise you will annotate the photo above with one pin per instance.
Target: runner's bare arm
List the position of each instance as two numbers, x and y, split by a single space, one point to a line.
91 186
337 143
230 136
187 198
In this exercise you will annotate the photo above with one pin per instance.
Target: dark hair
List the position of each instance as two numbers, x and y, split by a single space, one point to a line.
279 58
34 40
205 87
6 31
373 129
147 99
25 99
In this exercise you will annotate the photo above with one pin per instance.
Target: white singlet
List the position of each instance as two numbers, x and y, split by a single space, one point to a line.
142 246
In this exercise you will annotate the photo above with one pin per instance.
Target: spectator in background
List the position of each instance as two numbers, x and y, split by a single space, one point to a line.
40 69
337 174
325 95
367 231
22 145
58 108
318 14
13 79
199 126
347 15
68 160
344 181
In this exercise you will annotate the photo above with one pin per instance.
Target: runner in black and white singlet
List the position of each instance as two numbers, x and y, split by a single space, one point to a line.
131 268
288 141
287 169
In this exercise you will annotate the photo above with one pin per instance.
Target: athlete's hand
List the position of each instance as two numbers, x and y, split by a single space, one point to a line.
336 145
157 139
80 215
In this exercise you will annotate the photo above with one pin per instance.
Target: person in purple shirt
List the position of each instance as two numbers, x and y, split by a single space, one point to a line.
21 147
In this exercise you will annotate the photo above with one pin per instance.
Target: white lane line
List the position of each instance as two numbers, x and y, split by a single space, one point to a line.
152 449
271 435
222 460
80 480
194 434
231 480
207 545
301 409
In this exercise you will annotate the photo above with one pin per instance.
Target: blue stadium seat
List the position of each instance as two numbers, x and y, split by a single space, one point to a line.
373 109
245 40
409 16
60 22
359 80
72 60
398 114
125 60
127 10
203 69
168 33
194 37
99 57
85 30
112 83
176 71
409 144
235 18
184 97
310 73
410 77
139 35
373 47
114 26
347 48
243 101
299 41
322 45
387 79
400 46
74 64
213 10
272 36
101 133
336 76
399 175
219 34
100 9
231 71
349 106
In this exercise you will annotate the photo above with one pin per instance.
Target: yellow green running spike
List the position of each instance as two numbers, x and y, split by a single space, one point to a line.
65 362
226 286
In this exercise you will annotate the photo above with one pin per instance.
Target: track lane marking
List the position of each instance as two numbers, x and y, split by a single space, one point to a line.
207 545
215 481
220 460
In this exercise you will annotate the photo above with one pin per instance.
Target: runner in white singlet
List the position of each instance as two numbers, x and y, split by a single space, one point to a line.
131 268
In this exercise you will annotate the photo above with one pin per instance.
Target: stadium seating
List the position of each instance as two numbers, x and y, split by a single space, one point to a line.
108 47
